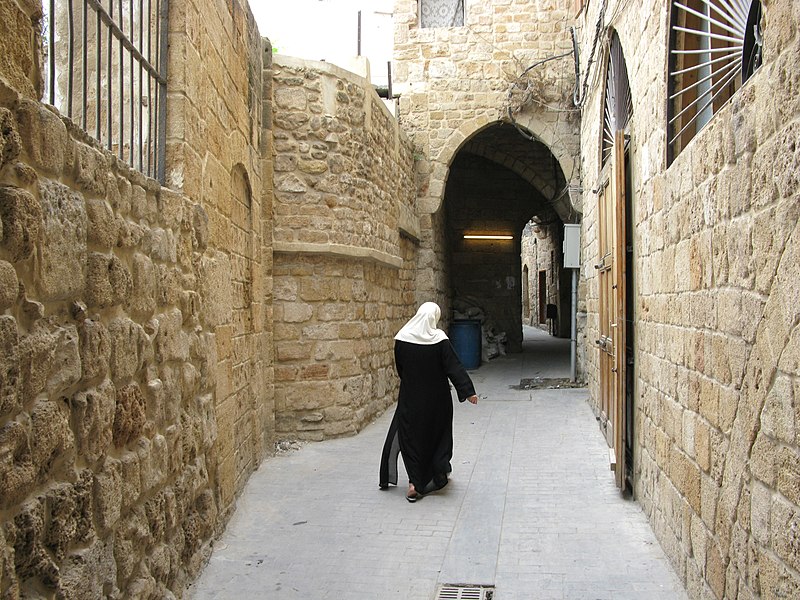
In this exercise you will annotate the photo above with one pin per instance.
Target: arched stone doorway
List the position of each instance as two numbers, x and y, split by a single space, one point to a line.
499 181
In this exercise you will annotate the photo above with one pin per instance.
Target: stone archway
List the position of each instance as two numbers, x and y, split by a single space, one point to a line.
490 179
559 138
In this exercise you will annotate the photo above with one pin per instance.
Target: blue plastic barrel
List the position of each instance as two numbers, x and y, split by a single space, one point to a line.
465 335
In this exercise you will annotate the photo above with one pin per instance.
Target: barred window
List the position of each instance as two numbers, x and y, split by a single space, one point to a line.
441 13
105 68
715 45
617 100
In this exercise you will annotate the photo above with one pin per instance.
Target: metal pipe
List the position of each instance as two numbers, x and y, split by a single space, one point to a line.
98 78
162 91
84 70
110 86
121 144
359 34
71 58
573 347
51 58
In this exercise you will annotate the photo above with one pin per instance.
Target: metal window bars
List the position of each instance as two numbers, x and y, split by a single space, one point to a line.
618 103
715 45
441 13
105 68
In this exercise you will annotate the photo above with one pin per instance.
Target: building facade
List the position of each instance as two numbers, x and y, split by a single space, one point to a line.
690 257
163 324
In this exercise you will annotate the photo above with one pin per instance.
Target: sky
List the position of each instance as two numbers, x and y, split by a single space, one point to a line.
328 30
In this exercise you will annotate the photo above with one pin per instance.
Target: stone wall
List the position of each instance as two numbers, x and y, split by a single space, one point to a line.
217 155
716 247
456 81
344 223
539 247
135 370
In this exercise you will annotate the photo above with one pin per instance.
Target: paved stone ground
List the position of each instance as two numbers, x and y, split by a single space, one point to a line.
531 509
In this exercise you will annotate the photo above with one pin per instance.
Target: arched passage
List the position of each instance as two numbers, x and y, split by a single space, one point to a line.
499 181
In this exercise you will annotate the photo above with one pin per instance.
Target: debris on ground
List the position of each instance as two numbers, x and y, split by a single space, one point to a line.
286 446
493 341
541 383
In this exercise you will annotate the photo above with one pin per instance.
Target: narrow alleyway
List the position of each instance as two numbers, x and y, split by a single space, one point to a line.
531 509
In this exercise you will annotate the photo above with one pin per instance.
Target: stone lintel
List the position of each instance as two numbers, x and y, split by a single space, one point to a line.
408 223
358 252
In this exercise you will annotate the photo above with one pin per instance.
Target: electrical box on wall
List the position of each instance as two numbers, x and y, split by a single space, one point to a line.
572 246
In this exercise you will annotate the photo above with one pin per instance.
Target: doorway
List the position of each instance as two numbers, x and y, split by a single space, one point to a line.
616 306
542 297
499 185
615 270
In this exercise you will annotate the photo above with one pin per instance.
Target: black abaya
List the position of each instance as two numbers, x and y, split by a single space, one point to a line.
422 427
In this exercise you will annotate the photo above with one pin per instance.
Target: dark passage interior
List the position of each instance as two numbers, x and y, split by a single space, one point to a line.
499 182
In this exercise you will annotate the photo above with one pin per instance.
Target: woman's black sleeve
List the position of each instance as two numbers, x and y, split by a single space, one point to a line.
397 362
456 372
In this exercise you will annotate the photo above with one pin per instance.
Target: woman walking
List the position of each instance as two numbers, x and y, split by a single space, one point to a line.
422 427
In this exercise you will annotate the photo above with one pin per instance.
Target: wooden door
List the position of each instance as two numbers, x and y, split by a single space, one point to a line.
611 282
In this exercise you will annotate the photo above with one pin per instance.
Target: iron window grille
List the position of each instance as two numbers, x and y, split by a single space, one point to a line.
105 69
441 13
715 45
617 101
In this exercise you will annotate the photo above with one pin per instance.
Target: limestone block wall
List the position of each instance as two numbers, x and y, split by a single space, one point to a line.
717 248
539 247
135 368
455 81
344 225
106 418
218 155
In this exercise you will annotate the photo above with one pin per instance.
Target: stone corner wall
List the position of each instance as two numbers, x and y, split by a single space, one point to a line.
135 334
717 360
104 388
218 154
343 207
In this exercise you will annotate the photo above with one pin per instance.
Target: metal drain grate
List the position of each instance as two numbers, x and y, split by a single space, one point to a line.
465 592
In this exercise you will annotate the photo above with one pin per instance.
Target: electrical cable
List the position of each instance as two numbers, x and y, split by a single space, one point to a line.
579 95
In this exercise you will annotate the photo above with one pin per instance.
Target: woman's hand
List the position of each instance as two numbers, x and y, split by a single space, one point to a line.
472 399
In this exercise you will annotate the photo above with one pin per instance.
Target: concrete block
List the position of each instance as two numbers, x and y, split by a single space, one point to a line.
144 276
10 383
128 341
108 493
103 229
21 216
70 515
108 280
9 285
91 171
129 416
92 416
90 572
26 533
51 440
44 137
10 141
62 247
171 342
65 370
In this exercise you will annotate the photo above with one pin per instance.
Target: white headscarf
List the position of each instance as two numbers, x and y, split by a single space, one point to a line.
421 328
